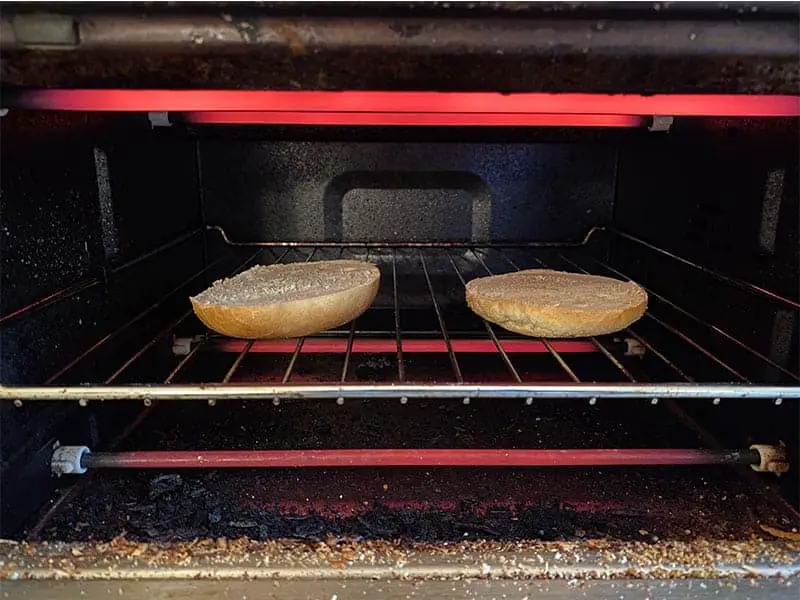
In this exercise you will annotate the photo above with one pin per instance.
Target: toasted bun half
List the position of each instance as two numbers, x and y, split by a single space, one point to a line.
281 301
552 304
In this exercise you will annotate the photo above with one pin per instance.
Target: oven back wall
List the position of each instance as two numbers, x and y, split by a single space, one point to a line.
392 192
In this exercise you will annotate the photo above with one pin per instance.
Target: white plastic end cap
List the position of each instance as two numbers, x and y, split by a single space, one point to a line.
67 460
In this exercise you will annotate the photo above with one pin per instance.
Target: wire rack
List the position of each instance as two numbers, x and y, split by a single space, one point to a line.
428 344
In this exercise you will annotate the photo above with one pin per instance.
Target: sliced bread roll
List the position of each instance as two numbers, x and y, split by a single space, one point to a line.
292 300
552 304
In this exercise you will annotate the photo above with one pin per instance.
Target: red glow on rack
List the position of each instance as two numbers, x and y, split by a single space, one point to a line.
410 108
412 119
378 346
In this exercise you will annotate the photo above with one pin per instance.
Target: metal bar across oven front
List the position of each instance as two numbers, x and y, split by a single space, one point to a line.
378 390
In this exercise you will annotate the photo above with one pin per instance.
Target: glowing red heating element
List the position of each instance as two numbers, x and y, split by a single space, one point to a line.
413 119
412 108
411 346
397 457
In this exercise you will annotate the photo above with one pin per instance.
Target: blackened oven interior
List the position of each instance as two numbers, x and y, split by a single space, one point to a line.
84 194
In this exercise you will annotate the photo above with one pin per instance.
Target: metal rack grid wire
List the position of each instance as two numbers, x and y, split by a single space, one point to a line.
464 262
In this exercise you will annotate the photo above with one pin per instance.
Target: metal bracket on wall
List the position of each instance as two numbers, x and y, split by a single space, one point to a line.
159 119
661 123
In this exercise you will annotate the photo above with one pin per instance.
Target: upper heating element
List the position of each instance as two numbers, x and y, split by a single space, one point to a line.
410 108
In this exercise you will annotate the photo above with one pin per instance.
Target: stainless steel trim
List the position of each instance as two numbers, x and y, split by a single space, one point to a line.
394 587
459 391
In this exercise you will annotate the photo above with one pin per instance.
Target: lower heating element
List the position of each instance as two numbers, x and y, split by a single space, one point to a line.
77 459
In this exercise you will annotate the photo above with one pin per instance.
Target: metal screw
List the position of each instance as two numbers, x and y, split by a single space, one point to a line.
147 402
403 400
276 401
212 401
715 401
18 403
654 401
778 401
592 401
528 401
466 400
340 401
83 402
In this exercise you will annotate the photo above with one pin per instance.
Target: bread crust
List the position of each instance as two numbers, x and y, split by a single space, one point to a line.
560 314
292 318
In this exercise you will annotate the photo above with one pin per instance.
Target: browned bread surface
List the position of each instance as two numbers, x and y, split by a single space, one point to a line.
553 304
292 300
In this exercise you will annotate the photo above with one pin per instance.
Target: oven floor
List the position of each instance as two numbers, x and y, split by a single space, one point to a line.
419 504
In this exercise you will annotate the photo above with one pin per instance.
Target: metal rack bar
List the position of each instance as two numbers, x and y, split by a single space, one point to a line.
290 367
614 360
288 373
704 351
636 336
275 244
599 345
237 362
350 337
675 331
136 355
110 336
194 351
349 351
62 294
150 253
490 331
169 328
699 321
186 359
739 283
401 367
423 457
88 283
659 354
379 390
445 335
558 358
561 362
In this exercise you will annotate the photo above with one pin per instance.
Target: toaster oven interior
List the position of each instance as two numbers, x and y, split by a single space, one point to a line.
111 223
418 442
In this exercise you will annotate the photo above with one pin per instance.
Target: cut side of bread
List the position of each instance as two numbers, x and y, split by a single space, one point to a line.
292 300
553 304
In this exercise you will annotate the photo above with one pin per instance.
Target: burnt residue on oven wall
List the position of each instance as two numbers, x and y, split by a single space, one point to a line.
426 504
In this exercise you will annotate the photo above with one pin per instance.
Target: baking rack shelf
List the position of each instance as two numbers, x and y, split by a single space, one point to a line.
423 284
